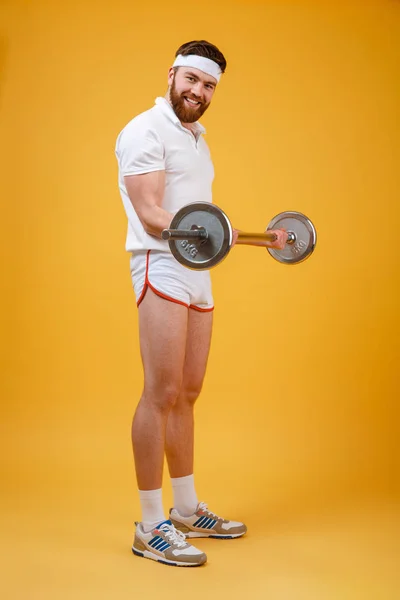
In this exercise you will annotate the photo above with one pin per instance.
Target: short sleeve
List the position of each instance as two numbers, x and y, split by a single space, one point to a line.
140 152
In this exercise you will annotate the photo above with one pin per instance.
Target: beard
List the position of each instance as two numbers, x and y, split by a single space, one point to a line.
185 113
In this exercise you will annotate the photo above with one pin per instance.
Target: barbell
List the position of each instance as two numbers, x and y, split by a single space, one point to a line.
200 236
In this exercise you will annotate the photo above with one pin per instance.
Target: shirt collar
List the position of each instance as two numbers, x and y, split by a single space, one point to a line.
169 112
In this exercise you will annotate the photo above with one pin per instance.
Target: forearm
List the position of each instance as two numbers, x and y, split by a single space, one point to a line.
154 219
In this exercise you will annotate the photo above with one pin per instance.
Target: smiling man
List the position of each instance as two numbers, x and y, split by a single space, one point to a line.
164 164
188 105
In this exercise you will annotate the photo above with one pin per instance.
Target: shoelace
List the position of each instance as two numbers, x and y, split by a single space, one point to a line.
173 535
204 508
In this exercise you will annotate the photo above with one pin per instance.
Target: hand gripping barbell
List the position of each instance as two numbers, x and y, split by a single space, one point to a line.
200 236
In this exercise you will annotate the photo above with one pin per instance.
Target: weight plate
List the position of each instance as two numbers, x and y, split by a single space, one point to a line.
306 237
202 255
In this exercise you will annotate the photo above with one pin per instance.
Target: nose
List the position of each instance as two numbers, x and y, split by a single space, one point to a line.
197 89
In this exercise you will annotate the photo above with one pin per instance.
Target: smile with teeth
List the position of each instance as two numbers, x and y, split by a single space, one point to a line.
191 102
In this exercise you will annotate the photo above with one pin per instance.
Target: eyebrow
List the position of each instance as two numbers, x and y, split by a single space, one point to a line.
198 78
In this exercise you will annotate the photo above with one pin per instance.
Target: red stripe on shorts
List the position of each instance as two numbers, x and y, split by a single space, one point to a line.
147 285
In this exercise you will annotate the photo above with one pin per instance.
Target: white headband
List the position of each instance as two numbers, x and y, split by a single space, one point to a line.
199 62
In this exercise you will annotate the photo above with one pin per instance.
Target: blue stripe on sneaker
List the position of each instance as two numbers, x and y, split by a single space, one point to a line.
204 521
211 525
160 542
163 547
197 523
207 523
155 540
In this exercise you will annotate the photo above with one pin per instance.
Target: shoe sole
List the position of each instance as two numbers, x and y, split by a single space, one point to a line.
170 563
217 536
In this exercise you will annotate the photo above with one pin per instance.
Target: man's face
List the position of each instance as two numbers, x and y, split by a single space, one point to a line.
191 91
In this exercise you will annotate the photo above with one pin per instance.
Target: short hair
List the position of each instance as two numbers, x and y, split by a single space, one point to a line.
205 49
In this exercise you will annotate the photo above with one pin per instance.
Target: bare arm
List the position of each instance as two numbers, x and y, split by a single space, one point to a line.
146 193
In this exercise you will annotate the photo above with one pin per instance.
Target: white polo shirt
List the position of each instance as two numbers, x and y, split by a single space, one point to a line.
156 140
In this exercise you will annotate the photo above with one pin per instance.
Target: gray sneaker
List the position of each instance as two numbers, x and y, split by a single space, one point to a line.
166 545
204 523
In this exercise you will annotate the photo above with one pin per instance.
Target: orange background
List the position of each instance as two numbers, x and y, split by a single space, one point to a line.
297 427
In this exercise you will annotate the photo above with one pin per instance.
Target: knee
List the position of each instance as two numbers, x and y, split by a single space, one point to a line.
190 393
163 396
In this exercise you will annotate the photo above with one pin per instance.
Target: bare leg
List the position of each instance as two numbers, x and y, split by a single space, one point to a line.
180 425
163 330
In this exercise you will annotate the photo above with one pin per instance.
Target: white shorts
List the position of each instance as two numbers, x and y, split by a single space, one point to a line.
170 280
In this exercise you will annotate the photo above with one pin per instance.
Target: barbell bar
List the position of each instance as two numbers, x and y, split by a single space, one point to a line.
200 234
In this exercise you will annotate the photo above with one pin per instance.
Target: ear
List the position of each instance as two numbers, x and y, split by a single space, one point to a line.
170 75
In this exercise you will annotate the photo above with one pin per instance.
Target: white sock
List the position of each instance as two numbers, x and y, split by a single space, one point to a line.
152 509
185 497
